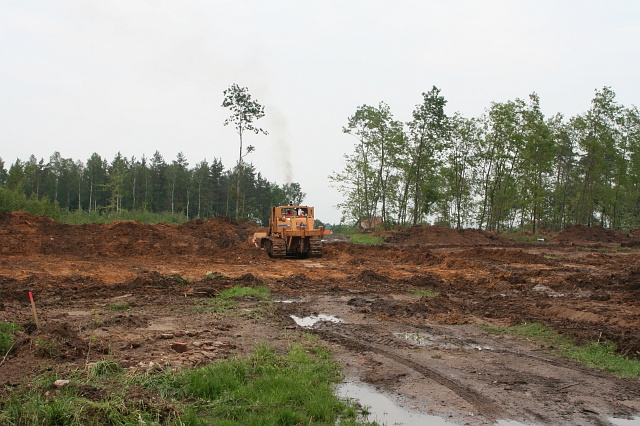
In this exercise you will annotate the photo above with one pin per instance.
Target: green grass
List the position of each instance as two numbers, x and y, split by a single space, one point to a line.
264 388
238 292
119 307
430 293
226 300
367 239
6 336
596 355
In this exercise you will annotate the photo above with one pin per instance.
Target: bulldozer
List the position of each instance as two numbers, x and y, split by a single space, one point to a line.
291 233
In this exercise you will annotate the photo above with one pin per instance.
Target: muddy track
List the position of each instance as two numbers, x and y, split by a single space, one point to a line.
492 376
383 345
490 385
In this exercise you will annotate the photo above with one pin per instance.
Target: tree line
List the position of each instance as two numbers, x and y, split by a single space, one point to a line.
510 168
148 184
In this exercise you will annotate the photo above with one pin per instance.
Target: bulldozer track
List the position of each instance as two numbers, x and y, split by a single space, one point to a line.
316 246
277 247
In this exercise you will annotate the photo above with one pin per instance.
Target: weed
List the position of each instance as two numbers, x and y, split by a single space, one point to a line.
214 275
45 347
119 307
367 239
265 387
237 292
597 355
226 300
97 319
178 278
6 336
105 368
429 293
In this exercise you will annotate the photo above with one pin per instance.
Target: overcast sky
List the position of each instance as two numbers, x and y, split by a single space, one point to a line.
80 77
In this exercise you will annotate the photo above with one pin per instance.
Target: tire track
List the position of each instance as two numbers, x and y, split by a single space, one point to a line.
381 345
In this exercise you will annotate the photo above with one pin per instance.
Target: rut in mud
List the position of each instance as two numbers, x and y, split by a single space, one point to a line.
431 351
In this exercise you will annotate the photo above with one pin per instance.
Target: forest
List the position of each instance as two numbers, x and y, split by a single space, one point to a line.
512 168
147 185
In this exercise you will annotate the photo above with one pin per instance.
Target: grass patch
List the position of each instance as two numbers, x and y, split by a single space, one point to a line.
429 293
367 239
226 300
596 355
119 307
264 388
6 336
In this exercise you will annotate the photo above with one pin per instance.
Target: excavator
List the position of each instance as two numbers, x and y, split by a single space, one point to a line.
291 233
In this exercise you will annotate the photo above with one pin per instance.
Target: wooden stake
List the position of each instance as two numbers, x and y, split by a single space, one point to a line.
33 308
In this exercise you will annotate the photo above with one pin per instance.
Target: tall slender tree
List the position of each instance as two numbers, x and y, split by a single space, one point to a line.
244 111
427 134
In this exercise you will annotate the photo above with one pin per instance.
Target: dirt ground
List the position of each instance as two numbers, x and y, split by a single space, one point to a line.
431 352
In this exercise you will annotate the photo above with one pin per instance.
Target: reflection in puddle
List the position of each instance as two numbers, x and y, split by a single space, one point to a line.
385 411
624 422
444 342
313 319
382 409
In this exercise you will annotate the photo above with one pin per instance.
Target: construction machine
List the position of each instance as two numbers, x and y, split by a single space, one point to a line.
291 233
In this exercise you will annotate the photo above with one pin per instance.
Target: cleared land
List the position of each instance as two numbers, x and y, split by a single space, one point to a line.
135 293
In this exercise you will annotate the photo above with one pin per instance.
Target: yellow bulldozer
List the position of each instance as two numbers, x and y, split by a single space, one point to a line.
291 233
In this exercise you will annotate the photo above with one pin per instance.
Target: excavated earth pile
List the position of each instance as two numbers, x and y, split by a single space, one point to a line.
413 311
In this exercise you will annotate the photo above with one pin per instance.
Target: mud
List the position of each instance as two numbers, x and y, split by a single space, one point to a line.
139 294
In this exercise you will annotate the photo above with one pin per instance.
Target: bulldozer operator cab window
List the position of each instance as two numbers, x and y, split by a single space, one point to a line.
287 212
302 212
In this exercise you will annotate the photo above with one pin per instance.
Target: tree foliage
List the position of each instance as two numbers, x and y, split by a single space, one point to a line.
244 111
510 168
127 185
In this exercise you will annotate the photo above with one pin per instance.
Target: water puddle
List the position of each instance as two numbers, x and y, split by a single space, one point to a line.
310 321
382 409
625 422
443 342
385 411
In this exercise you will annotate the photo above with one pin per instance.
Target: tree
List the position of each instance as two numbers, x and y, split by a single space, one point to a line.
537 159
201 176
244 111
598 136
366 179
3 173
427 132
459 171
117 175
293 193
96 172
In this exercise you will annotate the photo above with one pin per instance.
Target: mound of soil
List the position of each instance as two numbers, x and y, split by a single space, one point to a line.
594 234
441 236
24 234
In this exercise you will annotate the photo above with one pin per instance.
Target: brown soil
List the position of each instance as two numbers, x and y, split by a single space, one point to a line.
431 352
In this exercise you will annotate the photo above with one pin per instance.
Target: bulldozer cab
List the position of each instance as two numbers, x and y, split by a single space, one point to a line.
293 211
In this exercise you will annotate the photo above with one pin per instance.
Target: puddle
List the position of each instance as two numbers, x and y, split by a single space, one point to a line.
313 319
443 342
382 409
625 422
385 411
